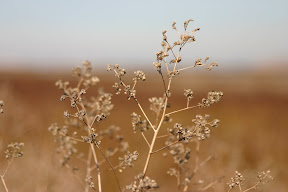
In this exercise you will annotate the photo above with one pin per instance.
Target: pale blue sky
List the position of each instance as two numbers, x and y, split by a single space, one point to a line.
57 33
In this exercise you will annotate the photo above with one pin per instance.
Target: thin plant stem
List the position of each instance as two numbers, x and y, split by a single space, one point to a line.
9 163
197 156
166 146
92 148
253 187
110 166
190 67
161 121
3 181
89 125
4 173
154 137
97 167
211 184
88 173
162 136
145 139
75 139
140 107
185 68
184 109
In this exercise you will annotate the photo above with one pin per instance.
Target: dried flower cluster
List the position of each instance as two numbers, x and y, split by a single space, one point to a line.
212 97
237 180
128 89
127 160
202 131
142 183
14 150
90 182
66 146
1 105
139 124
262 177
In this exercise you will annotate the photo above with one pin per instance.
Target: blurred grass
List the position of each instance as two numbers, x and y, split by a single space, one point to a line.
252 135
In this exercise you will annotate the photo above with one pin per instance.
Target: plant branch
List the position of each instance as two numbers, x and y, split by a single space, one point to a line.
110 166
211 184
3 181
9 163
184 109
145 139
160 123
88 173
166 146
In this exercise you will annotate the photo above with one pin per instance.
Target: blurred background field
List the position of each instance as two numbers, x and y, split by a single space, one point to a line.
41 41
251 136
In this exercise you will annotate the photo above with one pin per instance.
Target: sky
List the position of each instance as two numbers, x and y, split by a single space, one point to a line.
38 34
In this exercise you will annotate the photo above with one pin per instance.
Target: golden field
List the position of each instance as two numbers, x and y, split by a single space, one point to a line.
252 135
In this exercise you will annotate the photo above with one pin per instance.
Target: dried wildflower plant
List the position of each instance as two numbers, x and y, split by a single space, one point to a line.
179 138
83 123
263 177
83 126
13 151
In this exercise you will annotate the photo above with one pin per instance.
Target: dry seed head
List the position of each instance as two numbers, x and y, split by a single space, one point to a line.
186 23
212 97
156 104
159 55
66 146
173 73
109 68
188 93
117 88
67 114
137 123
264 176
164 35
173 172
211 66
180 132
127 160
157 66
176 43
1 105
142 184
89 181
139 75
237 180
173 25
91 138
87 64
14 150
180 154
198 62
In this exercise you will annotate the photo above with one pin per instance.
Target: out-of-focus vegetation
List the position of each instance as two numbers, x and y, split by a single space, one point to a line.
251 136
